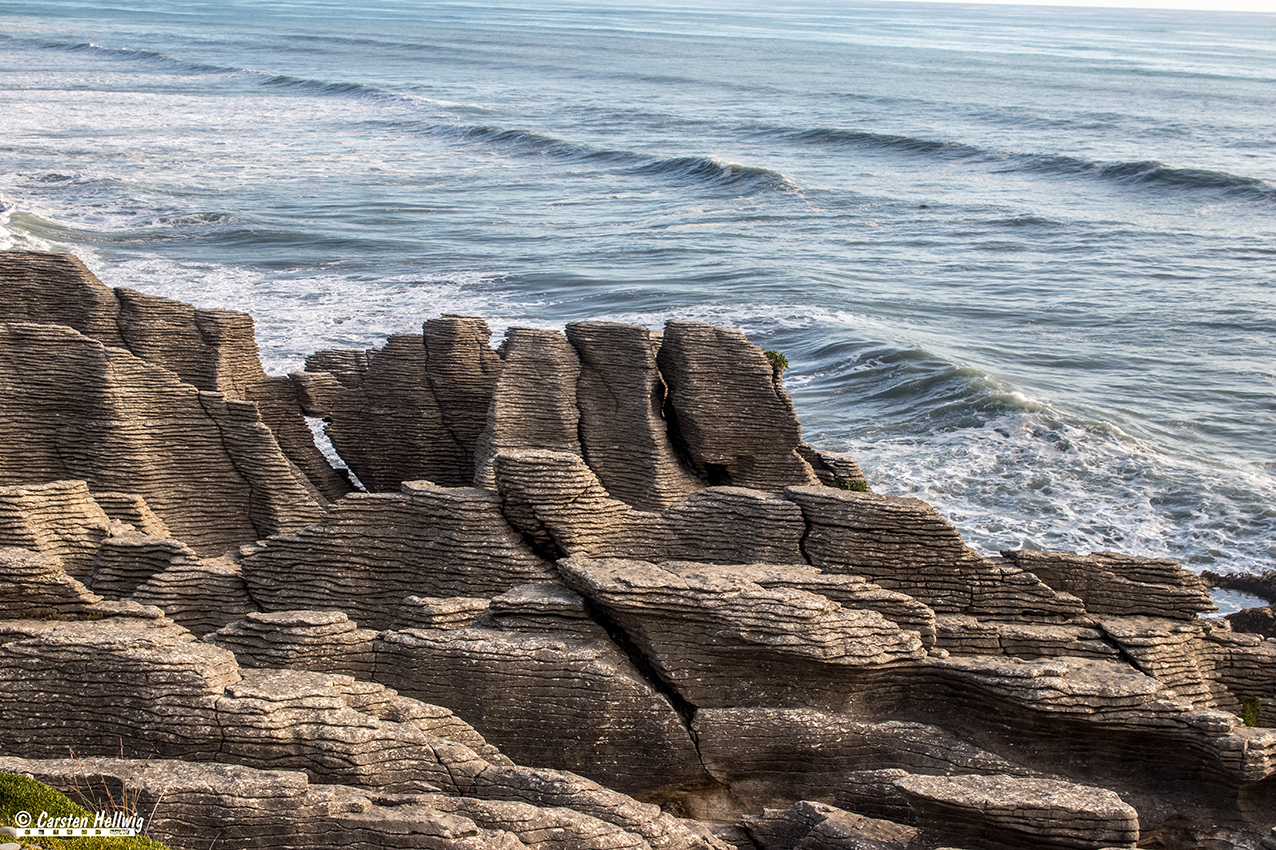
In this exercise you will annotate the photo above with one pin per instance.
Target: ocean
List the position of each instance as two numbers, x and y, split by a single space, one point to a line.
1021 260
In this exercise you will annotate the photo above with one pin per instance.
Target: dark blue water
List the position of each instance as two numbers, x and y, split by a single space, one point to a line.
1022 261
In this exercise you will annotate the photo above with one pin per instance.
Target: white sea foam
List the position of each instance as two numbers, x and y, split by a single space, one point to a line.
298 315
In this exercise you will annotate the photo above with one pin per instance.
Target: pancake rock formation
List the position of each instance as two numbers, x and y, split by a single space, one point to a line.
586 589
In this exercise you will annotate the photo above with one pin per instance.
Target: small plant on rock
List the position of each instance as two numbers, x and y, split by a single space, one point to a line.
1251 707
858 485
777 358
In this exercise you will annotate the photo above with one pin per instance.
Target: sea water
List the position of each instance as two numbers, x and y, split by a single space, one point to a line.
1022 261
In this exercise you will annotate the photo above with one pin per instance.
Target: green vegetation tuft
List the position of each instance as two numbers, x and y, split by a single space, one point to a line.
23 794
859 486
777 358
1250 709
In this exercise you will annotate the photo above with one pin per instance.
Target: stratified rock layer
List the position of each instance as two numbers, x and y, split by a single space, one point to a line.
762 647
373 551
733 419
623 432
213 350
1016 812
205 463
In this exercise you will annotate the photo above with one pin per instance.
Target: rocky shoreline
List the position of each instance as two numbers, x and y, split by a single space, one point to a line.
587 589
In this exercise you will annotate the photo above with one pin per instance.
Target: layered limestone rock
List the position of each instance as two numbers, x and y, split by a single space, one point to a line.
125 561
904 545
721 650
131 509
463 371
766 756
1015 812
536 676
733 420
708 632
1102 713
411 410
60 519
374 550
808 825
183 803
147 688
534 404
204 463
213 350
383 420
962 634
34 585
320 641
623 432
555 499
1120 585
541 680
201 595
141 686
1203 661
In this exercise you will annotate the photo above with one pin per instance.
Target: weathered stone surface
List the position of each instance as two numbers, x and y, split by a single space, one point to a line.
131 509
411 410
35 585
543 682
204 463
1121 585
202 595
873 793
319 641
834 469
1246 667
534 403
1014 812
623 433
242 807
769 755
387 427
439 612
462 370
808 825
58 289
555 499
961 634
559 788
1086 709
125 561
1255 621
730 414
849 591
904 545
373 551
58 518
213 350
724 640
1171 651
148 688
702 660
141 686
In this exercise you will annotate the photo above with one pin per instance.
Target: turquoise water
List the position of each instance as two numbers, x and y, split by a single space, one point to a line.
1022 261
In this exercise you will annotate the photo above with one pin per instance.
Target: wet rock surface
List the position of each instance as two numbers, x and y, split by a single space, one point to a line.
659 621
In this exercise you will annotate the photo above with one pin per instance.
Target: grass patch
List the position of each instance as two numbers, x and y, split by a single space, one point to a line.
858 486
777 358
20 793
1251 707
